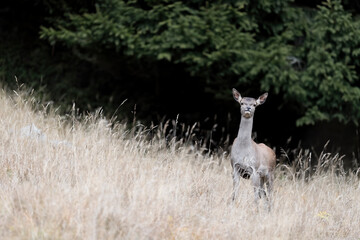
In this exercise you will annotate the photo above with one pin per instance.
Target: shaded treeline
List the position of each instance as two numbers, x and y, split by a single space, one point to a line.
171 58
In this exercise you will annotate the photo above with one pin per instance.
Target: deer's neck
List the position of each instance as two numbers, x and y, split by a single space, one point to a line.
245 129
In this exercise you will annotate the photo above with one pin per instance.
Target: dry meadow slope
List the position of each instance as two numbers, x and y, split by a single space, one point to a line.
104 184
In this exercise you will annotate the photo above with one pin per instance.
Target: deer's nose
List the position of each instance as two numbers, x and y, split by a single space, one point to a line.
248 109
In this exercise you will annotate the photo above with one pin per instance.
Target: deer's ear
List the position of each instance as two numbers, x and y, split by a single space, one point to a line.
236 95
261 99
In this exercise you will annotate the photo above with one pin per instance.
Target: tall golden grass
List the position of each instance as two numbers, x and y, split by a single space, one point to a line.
107 182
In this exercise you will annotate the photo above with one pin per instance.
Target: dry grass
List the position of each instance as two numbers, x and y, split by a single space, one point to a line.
109 183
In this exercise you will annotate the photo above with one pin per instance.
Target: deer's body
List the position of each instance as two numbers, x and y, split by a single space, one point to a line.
249 159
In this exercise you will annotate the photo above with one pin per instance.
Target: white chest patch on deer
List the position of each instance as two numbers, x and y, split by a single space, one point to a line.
243 155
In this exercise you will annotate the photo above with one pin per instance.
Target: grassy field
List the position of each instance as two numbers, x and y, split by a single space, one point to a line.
82 179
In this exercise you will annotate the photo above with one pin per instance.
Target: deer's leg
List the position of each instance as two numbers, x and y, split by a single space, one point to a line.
269 183
255 180
236 183
262 188
269 186
263 193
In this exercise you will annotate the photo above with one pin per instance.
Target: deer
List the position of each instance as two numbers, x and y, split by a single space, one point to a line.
250 160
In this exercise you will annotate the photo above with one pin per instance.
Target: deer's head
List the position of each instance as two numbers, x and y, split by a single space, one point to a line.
247 104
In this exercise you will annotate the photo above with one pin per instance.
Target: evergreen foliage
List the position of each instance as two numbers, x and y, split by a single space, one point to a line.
310 57
306 55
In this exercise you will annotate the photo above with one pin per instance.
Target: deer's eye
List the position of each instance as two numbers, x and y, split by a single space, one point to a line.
241 104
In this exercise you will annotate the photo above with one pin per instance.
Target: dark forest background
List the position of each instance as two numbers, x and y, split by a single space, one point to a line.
172 59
